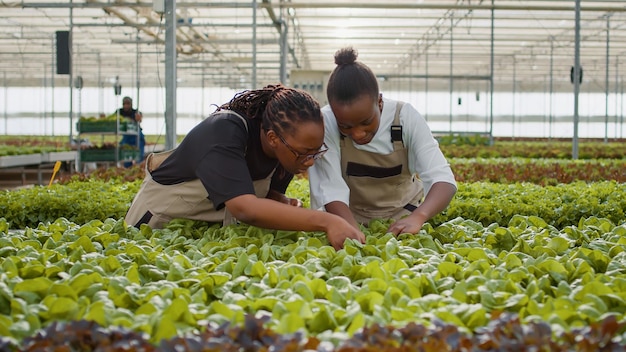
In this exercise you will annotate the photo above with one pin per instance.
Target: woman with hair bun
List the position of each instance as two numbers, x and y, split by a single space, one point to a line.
382 161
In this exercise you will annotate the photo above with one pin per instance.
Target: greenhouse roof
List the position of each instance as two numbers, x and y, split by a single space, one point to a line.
410 44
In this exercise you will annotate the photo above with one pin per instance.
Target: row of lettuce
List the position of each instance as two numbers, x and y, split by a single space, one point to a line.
189 277
499 170
472 146
560 205
535 259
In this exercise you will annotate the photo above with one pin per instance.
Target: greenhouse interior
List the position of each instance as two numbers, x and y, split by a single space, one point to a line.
513 133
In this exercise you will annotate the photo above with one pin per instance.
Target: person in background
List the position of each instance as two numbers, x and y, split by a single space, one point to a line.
135 116
382 157
236 165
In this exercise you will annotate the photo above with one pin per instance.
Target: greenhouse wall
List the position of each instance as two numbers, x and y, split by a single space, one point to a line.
35 111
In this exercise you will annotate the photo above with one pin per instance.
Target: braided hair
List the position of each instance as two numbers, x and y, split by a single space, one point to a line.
351 79
280 108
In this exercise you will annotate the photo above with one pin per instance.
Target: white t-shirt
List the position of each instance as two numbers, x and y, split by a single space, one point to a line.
425 158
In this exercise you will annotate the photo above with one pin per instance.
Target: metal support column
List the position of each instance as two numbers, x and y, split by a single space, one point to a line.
426 83
576 80
621 108
606 81
451 67
100 85
52 71
551 87
616 91
202 94
513 97
254 49
71 77
6 100
284 49
45 99
170 74
491 81
137 74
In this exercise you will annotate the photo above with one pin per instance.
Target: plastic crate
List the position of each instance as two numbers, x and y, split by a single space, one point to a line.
108 154
97 126
129 154
128 126
97 155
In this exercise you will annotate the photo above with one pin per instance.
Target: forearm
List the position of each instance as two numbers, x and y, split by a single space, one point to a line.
436 201
341 209
281 197
268 213
275 195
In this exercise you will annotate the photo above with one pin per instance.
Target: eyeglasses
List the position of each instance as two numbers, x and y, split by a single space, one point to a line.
303 158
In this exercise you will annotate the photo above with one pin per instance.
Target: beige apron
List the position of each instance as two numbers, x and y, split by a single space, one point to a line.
156 204
393 196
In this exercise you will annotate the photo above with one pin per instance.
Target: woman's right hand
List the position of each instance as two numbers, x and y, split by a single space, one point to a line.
339 229
270 214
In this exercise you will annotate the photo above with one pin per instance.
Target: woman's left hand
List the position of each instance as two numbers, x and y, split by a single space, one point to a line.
279 197
294 201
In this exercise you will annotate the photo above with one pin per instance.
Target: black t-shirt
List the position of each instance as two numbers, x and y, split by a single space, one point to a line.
128 114
225 157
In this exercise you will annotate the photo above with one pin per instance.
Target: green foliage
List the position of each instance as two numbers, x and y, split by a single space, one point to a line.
22 145
84 199
536 149
463 139
551 253
190 276
539 171
454 146
79 202
11 150
560 206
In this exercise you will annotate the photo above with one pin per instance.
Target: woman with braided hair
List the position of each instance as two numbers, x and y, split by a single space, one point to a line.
237 164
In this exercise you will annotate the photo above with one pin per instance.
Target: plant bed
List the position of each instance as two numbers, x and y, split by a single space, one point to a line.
20 160
481 289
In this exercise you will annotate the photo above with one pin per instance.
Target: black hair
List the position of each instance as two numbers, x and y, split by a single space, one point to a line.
280 108
351 79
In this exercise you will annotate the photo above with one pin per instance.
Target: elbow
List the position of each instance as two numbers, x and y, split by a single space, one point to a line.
445 190
243 208
245 216
452 190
